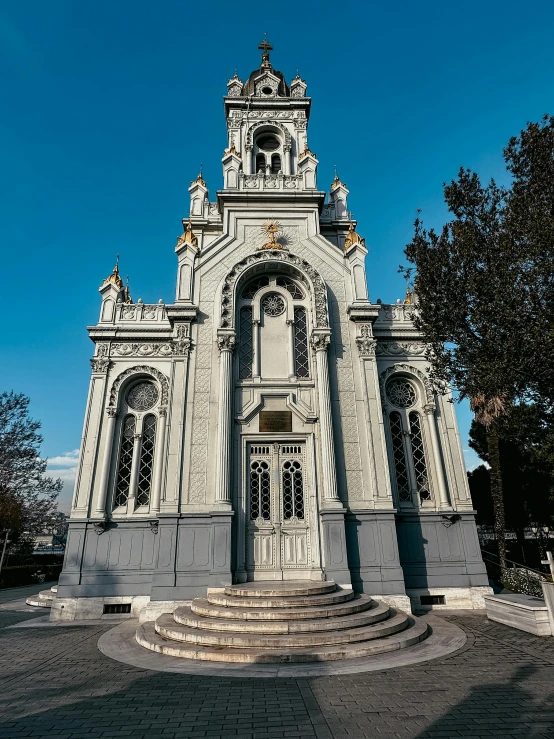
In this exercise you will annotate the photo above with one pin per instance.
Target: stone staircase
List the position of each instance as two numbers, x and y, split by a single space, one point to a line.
275 622
44 598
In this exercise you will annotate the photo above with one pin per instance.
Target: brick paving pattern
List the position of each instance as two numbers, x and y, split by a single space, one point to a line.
55 683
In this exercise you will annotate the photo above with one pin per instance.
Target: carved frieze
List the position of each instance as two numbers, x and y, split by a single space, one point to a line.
142 350
396 348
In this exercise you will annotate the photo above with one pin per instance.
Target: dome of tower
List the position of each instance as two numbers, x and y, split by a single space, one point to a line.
266 81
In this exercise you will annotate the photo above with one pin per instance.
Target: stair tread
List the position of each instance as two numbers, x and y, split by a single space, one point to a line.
280 588
235 601
147 637
168 627
357 603
186 616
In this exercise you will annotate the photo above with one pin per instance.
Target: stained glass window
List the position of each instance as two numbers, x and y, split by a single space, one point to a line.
401 393
245 344
254 285
125 461
400 467
301 354
293 491
291 286
260 500
146 462
143 396
418 455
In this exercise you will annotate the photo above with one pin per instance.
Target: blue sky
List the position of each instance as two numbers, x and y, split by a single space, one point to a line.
110 107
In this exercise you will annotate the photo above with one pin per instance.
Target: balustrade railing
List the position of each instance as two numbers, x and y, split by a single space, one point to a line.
514 576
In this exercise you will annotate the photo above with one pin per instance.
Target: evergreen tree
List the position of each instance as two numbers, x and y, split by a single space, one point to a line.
485 291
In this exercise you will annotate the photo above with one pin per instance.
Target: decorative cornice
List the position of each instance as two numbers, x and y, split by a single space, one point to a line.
396 348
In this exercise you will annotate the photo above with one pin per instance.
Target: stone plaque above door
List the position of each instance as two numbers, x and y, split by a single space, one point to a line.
275 421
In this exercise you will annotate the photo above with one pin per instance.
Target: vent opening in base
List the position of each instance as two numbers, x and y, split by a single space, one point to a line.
432 600
117 608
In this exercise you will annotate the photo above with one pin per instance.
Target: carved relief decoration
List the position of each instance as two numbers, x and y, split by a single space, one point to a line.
394 348
305 269
283 129
142 350
407 369
143 370
101 364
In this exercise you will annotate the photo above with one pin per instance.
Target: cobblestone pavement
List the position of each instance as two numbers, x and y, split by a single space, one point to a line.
55 683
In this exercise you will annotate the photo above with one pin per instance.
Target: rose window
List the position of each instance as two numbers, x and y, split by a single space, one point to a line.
401 393
273 305
143 396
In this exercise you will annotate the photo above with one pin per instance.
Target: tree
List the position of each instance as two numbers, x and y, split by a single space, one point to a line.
27 495
485 291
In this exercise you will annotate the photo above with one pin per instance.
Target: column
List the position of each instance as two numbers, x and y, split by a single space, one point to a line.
432 427
134 473
226 344
286 161
320 342
159 451
106 463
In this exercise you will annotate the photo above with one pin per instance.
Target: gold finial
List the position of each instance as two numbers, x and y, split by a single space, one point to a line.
266 47
336 182
232 149
306 152
115 278
272 229
199 180
189 237
409 299
126 294
352 238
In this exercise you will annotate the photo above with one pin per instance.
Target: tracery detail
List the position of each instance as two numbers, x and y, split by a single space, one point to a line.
301 355
401 392
146 460
273 305
260 500
245 346
418 454
400 467
143 396
125 461
293 491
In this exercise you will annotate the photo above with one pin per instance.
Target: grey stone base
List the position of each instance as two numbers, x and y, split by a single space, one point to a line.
454 598
523 612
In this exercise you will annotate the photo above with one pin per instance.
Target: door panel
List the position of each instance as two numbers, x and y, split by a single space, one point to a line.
278 537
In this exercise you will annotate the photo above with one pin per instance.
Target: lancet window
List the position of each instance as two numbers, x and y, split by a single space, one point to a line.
137 442
293 491
273 322
409 459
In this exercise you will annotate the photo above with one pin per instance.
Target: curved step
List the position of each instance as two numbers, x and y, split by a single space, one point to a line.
187 617
234 601
168 628
54 589
40 602
358 603
280 588
147 637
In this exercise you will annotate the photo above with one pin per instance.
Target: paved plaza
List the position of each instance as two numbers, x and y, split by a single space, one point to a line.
54 682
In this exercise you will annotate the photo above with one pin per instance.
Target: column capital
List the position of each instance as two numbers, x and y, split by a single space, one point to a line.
320 339
112 412
366 347
226 341
429 409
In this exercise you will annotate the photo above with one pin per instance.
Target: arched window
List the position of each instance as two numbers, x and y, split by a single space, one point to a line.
245 343
408 447
301 355
293 491
146 462
273 328
275 163
260 498
133 480
260 163
125 461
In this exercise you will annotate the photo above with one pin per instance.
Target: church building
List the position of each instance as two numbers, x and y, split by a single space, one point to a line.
271 423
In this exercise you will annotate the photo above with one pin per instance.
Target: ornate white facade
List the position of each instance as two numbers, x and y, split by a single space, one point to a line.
271 422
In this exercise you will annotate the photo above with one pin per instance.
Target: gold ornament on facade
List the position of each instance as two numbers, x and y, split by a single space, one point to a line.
189 237
336 183
272 229
232 150
306 152
127 299
115 277
409 299
352 238
199 180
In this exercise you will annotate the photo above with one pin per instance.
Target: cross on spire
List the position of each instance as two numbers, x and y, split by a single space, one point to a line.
266 47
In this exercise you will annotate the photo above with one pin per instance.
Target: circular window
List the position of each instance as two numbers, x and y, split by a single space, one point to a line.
267 90
143 396
401 393
267 142
273 305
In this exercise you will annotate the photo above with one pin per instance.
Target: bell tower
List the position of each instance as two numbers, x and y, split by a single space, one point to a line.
267 131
